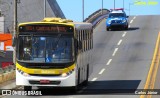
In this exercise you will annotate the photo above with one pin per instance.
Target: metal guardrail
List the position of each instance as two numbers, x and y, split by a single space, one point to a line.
97 16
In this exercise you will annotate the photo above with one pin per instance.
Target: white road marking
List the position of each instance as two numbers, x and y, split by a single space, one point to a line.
109 61
124 34
129 26
134 17
115 50
131 21
102 71
94 79
120 41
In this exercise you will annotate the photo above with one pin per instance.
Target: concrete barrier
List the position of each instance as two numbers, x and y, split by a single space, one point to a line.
97 16
1 78
7 74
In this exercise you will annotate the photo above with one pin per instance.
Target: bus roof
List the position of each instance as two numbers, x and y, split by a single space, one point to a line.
68 22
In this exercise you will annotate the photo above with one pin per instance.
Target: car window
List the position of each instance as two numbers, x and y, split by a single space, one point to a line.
113 15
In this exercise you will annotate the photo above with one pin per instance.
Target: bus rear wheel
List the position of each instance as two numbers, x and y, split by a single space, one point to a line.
27 88
87 75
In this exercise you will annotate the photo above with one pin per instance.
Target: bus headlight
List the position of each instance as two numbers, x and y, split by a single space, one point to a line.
64 74
26 74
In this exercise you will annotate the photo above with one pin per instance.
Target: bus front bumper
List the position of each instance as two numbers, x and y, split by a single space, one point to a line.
57 81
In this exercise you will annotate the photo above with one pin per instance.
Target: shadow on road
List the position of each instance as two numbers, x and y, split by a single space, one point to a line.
111 87
129 29
133 28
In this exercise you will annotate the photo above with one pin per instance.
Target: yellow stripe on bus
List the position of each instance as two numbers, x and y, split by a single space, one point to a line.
45 71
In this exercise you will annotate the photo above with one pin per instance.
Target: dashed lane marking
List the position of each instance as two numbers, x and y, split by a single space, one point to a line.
129 26
94 79
119 43
101 71
115 50
124 34
109 61
134 17
131 21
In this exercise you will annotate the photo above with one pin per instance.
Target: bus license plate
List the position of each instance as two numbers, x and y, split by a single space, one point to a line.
44 81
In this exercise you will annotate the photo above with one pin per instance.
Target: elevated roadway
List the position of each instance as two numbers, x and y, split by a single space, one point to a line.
121 61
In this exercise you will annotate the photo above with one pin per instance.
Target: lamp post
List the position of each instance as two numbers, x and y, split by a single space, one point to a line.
114 4
129 8
82 10
14 30
123 4
102 6
15 18
44 8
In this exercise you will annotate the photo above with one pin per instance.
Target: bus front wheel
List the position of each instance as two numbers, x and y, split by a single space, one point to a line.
75 88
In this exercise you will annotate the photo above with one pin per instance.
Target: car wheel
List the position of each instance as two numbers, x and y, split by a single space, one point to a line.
126 28
107 29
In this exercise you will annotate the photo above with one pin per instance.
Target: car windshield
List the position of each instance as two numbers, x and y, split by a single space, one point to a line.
114 15
49 49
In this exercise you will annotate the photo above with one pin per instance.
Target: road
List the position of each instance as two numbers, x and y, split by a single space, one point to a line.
121 60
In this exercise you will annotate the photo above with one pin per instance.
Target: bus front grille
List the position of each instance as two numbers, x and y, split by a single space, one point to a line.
46 75
50 82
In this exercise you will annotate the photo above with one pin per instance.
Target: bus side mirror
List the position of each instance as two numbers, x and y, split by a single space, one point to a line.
14 41
127 16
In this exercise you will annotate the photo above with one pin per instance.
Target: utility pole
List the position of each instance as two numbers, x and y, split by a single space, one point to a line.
129 8
14 30
83 10
114 4
15 18
44 8
102 6
123 4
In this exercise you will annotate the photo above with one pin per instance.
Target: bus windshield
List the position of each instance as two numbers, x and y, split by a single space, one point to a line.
47 49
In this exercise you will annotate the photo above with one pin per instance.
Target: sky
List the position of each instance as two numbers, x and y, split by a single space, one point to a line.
72 9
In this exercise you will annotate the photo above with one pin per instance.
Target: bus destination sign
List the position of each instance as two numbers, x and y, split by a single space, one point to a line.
45 28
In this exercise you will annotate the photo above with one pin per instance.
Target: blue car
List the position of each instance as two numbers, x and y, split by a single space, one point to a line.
117 18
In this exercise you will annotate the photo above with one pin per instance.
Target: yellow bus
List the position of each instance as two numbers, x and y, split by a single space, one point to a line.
53 52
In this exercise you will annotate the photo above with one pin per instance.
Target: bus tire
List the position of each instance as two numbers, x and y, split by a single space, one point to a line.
27 88
87 76
75 88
